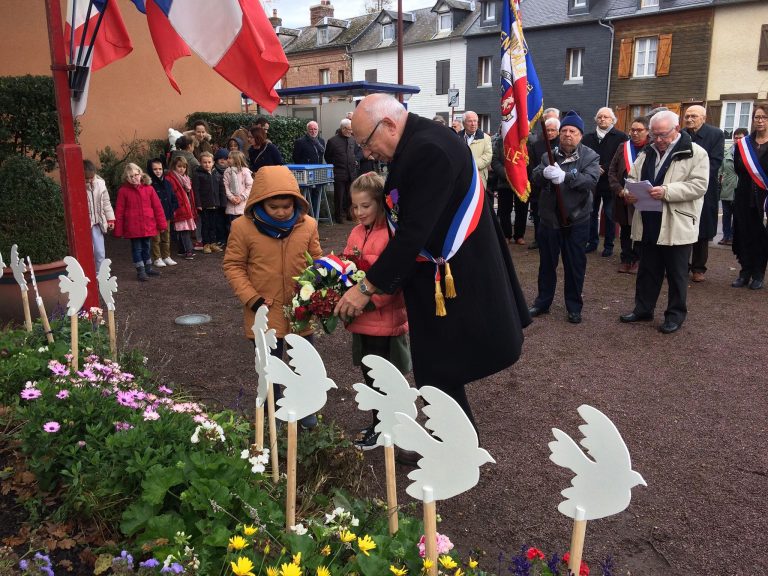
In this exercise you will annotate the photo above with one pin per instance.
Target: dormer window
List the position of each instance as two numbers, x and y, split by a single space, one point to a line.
388 32
578 3
322 36
489 11
444 22
649 3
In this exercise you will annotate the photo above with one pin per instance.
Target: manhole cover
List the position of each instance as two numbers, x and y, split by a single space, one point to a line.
193 319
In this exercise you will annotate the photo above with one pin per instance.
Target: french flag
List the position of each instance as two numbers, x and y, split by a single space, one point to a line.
84 19
234 37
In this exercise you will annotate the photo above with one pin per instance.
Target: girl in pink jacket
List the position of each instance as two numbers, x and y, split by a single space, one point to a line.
384 330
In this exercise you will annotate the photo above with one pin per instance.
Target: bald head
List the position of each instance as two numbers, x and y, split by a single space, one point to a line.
694 117
378 124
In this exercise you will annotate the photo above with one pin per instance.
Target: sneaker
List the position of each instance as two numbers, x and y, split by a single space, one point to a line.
206 249
189 256
159 263
168 261
198 246
367 439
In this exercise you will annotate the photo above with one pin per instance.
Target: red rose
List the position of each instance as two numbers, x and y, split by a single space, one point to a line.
534 554
301 313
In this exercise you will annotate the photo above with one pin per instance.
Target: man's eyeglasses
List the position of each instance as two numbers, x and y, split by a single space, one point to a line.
662 135
365 143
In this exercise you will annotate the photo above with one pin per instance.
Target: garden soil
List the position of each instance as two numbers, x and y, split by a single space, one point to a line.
692 408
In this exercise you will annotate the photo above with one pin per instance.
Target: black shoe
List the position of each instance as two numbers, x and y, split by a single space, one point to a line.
574 317
367 439
151 271
141 274
607 252
740 282
407 457
590 248
669 327
632 317
536 311
756 284
533 245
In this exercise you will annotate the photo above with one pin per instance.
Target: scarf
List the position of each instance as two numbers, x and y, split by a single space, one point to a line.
601 133
268 226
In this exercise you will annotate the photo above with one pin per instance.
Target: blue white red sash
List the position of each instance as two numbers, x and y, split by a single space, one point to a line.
751 162
630 155
344 267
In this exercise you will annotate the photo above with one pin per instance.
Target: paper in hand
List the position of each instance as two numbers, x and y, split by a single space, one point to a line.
641 191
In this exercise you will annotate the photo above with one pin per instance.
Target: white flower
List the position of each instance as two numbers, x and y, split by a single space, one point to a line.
323 272
295 302
42 349
351 267
195 436
299 529
358 275
355 521
257 468
245 454
306 291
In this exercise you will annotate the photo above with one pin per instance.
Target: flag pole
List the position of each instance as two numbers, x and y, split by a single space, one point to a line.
70 155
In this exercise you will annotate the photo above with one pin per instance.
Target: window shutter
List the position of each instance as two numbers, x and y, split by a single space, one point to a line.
621 117
664 55
676 107
443 76
439 78
714 111
625 57
762 57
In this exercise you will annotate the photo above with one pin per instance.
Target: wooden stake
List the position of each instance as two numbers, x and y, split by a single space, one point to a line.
389 467
75 351
112 334
27 314
259 424
430 529
272 432
290 493
44 318
577 540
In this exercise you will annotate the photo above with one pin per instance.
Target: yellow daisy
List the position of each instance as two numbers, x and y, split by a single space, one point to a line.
297 558
326 551
243 566
250 530
323 571
398 571
447 562
272 571
346 536
290 570
459 572
266 549
365 544
472 563
237 543
427 564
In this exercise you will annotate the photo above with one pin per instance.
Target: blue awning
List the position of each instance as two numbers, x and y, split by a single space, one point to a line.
359 88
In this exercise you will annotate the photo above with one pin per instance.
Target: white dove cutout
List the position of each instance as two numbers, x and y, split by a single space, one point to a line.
306 389
264 340
396 395
450 465
107 283
74 284
2 264
19 268
602 485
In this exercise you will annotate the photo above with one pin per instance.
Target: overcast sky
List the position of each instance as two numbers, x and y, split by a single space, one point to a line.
295 13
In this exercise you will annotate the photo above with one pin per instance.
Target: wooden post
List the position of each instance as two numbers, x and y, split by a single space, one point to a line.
430 529
44 318
389 467
290 493
259 424
112 334
577 540
75 351
272 433
27 314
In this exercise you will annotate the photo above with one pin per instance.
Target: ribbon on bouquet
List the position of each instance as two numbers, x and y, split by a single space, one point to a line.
344 268
464 222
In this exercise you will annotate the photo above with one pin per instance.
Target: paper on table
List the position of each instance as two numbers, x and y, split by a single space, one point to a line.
641 191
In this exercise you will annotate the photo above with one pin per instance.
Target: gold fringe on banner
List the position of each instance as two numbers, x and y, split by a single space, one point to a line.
450 287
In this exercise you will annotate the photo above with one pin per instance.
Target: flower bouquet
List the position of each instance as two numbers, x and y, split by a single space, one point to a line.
319 288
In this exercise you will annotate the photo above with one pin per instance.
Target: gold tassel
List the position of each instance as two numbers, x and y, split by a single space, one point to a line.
450 288
439 300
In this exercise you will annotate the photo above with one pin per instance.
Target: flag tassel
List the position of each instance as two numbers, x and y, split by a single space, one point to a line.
450 287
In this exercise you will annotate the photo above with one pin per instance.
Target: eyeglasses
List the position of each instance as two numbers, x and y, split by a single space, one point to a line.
365 143
636 130
756 118
662 135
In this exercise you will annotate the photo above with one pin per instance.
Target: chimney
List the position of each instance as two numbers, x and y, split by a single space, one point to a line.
317 13
275 20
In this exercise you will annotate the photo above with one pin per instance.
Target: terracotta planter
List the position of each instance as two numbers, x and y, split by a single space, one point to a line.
47 275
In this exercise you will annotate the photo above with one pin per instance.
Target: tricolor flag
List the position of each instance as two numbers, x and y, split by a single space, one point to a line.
234 37
521 98
84 19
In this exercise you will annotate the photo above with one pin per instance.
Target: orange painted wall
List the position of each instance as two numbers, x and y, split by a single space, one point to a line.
129 98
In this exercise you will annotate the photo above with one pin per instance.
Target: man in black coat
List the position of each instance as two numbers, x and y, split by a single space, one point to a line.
430 175
310 149
713 141
536 149
340 151
605 140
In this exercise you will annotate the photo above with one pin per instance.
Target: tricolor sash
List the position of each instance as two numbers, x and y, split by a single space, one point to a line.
630 155
462 225
751 162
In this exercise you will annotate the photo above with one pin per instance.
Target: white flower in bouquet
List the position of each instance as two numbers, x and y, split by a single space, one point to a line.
306 291
295 302
322 271
358 275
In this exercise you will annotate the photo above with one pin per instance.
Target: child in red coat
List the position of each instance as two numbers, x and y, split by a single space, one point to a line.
384 330
139 216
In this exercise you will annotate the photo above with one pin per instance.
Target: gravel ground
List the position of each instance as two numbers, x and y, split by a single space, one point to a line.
691 407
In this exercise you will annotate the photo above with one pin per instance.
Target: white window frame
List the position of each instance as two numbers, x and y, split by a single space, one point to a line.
484 123
575 59
741 109
440 17
322 36
489 11
325 76
645 57
485 71
649 3
579 3
388 31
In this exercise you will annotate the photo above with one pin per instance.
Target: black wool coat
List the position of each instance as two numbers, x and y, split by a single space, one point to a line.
606 149
340 151
308 150
713 141
481 334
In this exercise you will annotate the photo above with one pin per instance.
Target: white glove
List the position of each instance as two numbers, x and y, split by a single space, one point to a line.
554 173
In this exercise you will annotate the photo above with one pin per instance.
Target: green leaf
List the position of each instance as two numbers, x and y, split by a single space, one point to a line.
136 517
158 481
372 565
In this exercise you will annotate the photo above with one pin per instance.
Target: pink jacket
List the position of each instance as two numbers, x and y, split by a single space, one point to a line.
237 183
389 318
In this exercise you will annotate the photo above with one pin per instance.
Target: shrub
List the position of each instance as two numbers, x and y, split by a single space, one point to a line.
137 151
31 211
283 130
28 121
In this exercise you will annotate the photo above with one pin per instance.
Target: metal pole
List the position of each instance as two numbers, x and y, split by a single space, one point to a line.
70 157
400 47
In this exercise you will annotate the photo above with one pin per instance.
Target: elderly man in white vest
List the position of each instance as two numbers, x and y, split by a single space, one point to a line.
479 143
